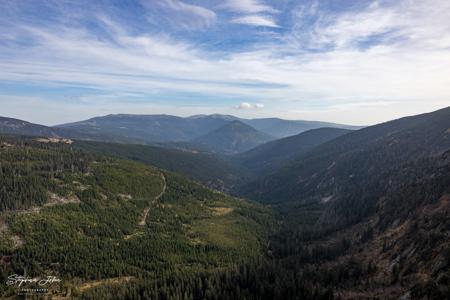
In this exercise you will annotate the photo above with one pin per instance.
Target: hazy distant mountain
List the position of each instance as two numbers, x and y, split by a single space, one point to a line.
283 128
166 129
213 120
272 155
148 128
15 126
151 128
20 127
278 128
232 138
169 131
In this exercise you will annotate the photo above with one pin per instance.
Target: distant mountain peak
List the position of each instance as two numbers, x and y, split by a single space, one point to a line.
16 126
214 116
240 127
233 137
237 123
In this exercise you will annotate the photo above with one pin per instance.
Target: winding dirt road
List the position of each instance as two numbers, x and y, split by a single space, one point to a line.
143 219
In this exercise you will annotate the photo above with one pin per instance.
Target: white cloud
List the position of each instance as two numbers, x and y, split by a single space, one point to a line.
255 20
246 105
189 8
251 12
183 14
406 21
247 6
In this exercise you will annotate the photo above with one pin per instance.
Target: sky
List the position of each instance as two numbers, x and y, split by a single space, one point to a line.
348 61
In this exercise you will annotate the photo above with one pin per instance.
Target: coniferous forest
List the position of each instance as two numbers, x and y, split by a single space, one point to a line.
117 227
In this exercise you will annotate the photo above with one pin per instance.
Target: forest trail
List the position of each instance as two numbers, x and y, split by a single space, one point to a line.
147 210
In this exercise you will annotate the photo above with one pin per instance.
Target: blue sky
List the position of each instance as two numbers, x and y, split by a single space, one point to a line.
349 61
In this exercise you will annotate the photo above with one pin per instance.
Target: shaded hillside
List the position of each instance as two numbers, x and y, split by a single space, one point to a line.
92 220
367 214
232 138
352 162
283 128
272 155
206 168
399 250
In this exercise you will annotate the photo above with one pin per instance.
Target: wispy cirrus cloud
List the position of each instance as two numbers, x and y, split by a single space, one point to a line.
247 6
251 12
180 13
400 23
181 6
255 20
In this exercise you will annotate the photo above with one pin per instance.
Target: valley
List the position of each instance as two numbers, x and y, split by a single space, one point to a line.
224 150
327 213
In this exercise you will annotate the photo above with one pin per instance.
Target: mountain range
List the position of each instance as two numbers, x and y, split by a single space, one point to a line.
166 128
200 132
334 212
20 127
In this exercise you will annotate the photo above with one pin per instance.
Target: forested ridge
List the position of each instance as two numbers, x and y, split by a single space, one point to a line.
207 168
369 210
362 216
79 213
30 169
268 157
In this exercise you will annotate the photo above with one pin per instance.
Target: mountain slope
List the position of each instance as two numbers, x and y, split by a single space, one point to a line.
206 168
367 213
400 250
283 128
15 126
91 220
272 155
20 127
232 138
354 168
